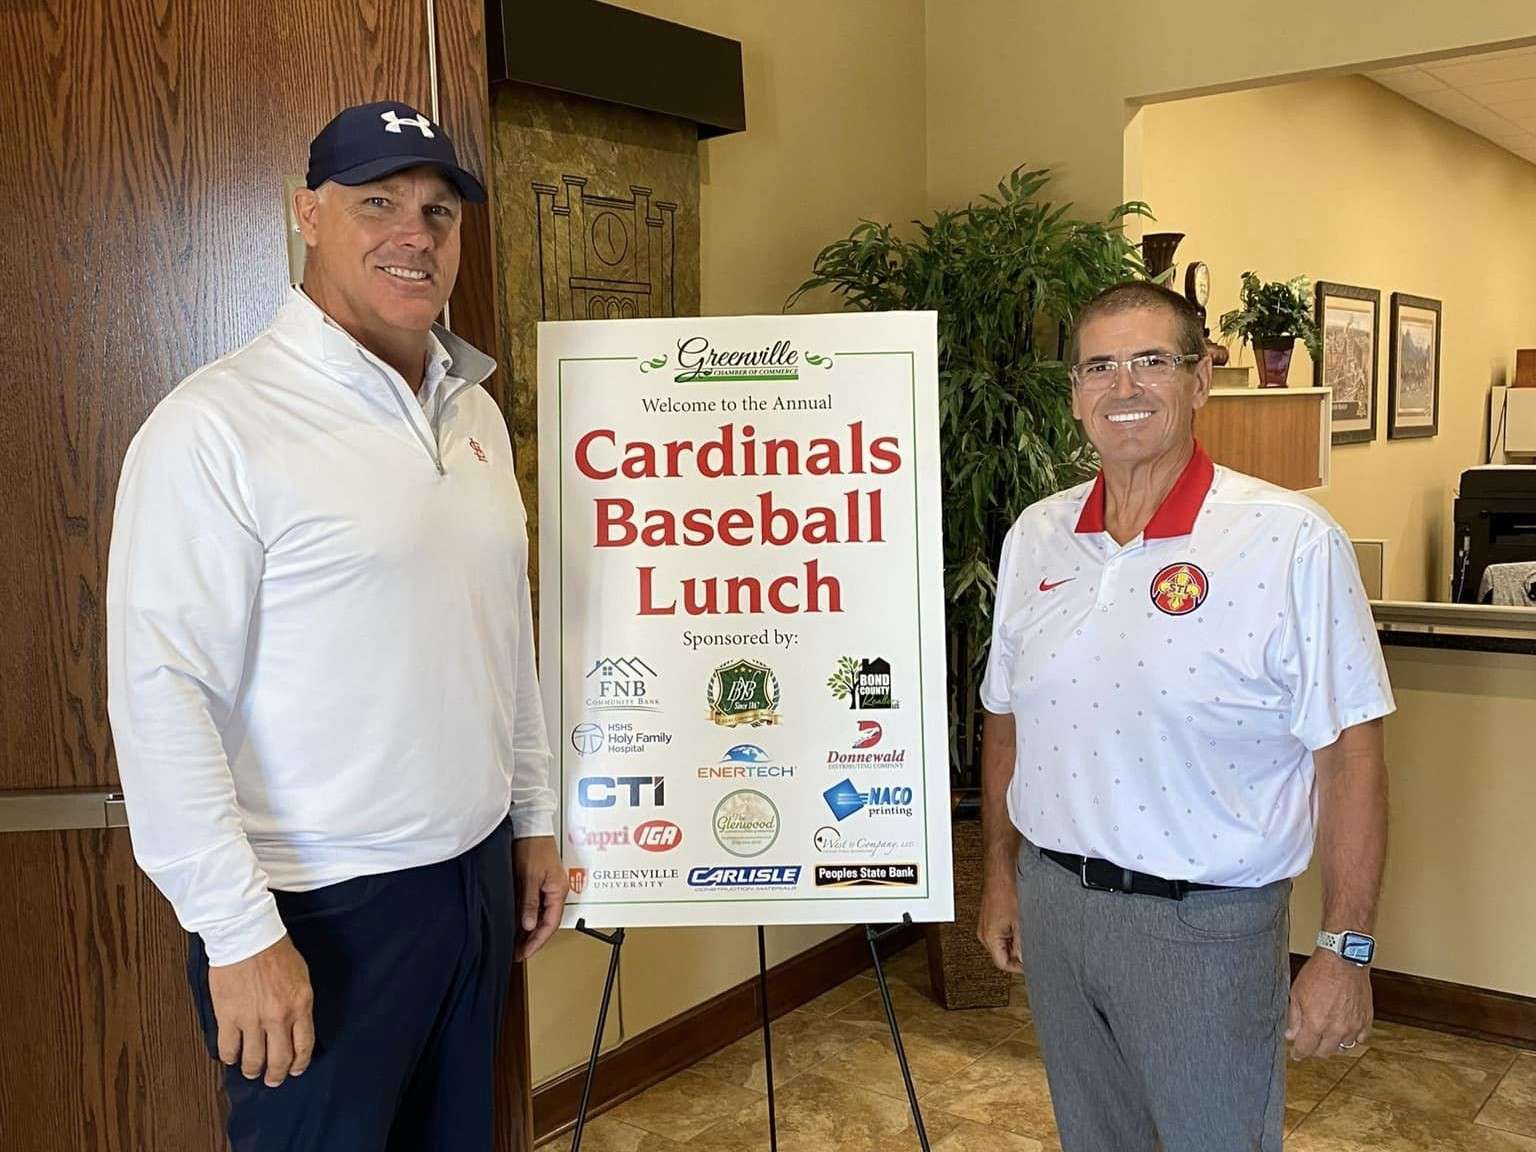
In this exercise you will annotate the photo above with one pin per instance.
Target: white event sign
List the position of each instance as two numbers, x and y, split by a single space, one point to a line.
742 618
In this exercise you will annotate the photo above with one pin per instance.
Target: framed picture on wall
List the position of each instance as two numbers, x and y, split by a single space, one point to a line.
1413 400
1349 319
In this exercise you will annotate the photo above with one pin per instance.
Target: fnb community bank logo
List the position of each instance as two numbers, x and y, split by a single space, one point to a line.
699 362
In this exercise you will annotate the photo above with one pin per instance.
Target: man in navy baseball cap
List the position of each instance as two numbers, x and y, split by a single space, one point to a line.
371 141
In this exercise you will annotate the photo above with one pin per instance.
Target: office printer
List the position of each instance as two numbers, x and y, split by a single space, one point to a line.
1495 524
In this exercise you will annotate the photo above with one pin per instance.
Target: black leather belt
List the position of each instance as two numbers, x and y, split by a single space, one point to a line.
1102 876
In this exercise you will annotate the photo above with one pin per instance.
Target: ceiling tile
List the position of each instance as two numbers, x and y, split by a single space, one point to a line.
1505 92
1408 81
1521 113
1518 65
1452 105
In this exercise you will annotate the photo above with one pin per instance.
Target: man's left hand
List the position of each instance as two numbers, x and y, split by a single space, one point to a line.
541 889
1330 1007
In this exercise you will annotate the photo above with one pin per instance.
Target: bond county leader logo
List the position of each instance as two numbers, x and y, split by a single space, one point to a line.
746 762
831 841
866 875
863 683
743 692
1179 589
746 823
715 876
844 800
621 685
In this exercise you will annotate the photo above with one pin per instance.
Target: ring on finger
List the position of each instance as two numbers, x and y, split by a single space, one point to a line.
1347 1047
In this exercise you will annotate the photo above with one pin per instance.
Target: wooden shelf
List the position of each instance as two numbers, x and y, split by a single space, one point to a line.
1282 435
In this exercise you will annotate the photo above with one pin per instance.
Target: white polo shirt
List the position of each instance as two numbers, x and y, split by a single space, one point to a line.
1168 694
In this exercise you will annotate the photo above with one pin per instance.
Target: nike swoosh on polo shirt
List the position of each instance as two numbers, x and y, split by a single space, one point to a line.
1048 586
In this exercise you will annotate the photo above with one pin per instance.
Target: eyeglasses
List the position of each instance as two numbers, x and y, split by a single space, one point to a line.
1150 369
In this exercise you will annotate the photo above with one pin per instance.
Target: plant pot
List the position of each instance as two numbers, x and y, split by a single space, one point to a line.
1274 359
959 968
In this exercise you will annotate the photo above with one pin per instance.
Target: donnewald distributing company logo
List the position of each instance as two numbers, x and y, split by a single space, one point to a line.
700 362
866 751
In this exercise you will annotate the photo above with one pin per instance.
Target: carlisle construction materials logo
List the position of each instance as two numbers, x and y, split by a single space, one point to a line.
866 875
727 877
863 683
743 692
746 823
746 762
1179 589
844 800
621 684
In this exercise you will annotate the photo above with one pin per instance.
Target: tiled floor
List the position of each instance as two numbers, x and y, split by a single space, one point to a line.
983 1089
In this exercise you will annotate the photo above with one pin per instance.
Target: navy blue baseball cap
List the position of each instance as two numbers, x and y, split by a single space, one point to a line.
370 141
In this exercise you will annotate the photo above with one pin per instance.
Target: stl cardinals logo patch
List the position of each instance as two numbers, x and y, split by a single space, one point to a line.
1179 589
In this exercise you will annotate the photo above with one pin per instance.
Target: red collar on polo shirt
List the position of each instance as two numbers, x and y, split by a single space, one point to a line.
1175 516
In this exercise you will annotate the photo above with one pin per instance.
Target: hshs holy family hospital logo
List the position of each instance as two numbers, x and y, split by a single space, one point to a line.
1179 589
743 692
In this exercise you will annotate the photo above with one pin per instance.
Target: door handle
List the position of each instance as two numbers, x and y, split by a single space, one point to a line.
61 810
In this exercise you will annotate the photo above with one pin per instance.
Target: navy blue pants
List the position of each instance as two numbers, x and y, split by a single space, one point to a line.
410 972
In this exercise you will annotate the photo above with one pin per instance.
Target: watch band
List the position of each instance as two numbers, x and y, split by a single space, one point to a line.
1334 942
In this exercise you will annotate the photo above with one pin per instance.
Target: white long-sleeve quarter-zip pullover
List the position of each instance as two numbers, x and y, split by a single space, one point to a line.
320 650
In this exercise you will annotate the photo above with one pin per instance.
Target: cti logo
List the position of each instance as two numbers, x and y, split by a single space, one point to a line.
658 836
599 791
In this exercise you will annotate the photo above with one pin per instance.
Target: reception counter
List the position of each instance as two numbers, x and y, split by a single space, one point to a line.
1458 904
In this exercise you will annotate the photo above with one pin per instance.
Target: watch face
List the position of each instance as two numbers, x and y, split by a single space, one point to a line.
1197 283
1357 949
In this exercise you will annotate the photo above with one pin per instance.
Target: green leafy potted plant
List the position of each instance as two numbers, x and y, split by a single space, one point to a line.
1006 276
1272 318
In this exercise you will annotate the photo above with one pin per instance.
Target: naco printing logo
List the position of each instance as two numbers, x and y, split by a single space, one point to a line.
880 800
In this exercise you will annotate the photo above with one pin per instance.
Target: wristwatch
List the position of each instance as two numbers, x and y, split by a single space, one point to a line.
1356 947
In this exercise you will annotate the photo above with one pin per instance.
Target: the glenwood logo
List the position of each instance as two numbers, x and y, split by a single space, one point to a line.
621 685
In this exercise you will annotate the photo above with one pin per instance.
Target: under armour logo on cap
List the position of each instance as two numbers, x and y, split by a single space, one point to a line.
393 120
369 142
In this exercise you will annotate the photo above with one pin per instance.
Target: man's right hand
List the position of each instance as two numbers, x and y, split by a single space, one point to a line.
998 925
264 1008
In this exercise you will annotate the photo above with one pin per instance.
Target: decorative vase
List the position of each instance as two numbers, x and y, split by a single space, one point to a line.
1274 357
1157 249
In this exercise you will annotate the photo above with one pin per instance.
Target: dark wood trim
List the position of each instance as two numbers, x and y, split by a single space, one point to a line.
606 53
1458 641
1458 1008
684 1040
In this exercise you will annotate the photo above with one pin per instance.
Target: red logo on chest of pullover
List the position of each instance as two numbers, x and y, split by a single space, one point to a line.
474 446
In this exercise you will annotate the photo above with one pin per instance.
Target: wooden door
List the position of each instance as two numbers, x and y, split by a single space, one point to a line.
143 150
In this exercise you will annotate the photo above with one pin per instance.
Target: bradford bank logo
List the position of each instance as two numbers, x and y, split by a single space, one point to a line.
743 692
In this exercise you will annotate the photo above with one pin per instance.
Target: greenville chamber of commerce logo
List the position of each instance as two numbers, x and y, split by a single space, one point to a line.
746 823
743 692
866 875
1179 589
830 841
732 877
844 800
621 685
700 362
746 762
863 683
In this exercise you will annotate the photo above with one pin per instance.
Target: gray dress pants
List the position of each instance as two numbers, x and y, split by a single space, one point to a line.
1159 1020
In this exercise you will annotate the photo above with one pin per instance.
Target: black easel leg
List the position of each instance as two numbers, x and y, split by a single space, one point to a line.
615 940
762 999
874 938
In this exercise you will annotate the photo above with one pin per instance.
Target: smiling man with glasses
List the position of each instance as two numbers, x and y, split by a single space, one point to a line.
1184 696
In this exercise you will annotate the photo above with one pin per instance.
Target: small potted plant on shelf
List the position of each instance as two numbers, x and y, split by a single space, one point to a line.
1272 318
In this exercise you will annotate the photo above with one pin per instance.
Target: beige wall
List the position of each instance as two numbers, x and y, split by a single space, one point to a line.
1045 82
1364 187
835 132
1456 904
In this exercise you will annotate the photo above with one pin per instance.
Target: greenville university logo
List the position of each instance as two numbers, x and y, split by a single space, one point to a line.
743 692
